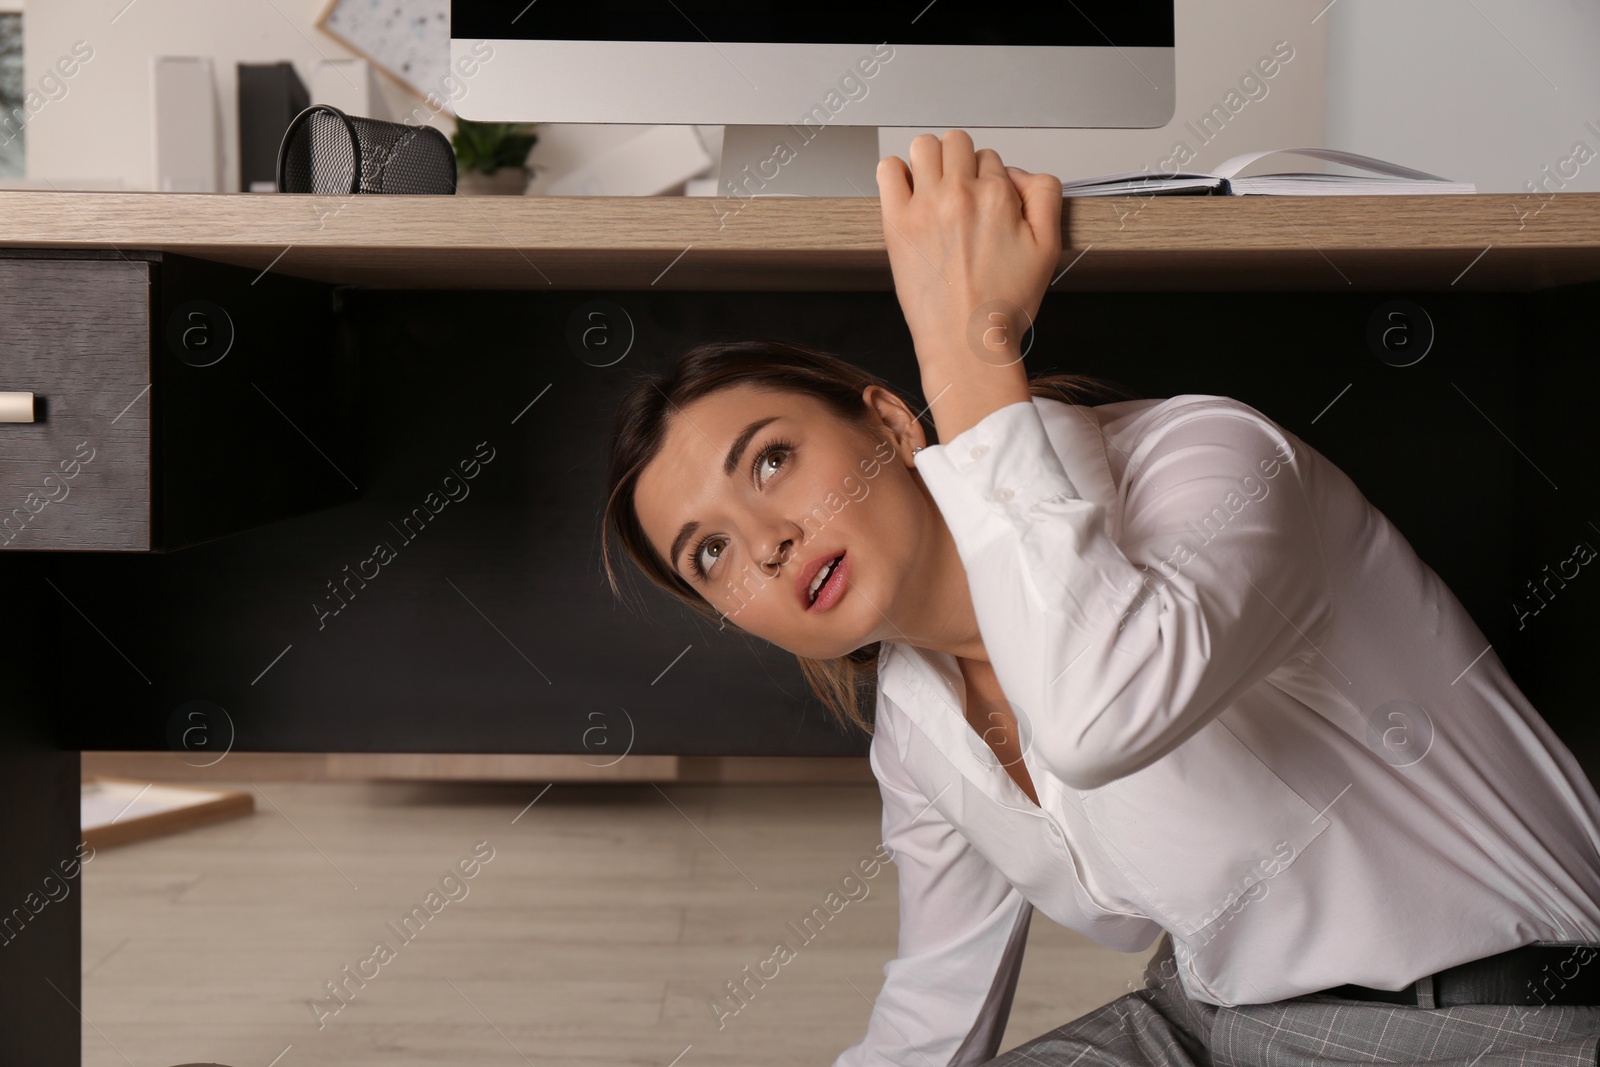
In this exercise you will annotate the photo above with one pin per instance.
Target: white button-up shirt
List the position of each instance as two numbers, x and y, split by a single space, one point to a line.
1253 717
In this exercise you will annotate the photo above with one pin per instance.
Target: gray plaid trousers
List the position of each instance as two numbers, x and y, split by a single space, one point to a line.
1161 1026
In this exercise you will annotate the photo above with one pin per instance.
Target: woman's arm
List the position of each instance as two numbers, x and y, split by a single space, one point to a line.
972 244
1116 651
963 931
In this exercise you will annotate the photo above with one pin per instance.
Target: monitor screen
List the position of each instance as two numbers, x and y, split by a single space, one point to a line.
920 22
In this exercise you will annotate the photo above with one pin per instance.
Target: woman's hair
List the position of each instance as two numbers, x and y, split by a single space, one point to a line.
639 428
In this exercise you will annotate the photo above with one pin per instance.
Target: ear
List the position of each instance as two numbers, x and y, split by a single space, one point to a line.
904 429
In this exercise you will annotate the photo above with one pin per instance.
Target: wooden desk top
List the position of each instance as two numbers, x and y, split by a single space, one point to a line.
1486 241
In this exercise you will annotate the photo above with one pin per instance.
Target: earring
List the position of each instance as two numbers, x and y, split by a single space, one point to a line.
917 449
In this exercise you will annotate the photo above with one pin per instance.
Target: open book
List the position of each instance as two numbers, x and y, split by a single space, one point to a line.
1394 179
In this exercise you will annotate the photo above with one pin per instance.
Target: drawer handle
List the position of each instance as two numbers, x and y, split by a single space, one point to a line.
16 407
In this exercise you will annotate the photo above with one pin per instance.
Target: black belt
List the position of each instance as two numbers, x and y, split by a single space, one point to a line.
1545 972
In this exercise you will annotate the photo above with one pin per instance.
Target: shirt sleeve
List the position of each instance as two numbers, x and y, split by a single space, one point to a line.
1115 653
947 995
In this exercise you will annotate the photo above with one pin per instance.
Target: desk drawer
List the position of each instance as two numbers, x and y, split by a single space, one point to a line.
176 400
76 334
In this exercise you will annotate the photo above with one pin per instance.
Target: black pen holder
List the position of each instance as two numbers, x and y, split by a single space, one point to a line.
328 152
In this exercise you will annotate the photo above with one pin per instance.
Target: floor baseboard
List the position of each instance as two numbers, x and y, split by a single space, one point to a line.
457 766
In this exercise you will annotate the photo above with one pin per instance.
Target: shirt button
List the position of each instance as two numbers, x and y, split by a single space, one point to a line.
1003 495
978 451
1055 831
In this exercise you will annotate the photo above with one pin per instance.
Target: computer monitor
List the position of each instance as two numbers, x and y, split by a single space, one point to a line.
801 89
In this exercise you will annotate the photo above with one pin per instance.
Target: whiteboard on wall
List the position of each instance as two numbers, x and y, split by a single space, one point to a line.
408 39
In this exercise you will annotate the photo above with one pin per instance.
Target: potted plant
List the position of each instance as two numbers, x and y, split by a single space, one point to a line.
491 157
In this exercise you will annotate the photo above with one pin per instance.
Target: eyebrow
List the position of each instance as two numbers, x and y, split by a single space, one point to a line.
729 465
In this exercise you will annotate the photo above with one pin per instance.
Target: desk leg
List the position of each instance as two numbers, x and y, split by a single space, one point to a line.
41 884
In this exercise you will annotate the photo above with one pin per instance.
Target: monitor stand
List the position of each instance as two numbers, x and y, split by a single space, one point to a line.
791 160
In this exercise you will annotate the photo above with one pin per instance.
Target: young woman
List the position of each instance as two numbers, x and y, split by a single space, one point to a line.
1155 667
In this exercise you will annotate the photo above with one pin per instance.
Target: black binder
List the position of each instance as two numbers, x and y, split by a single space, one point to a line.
270 95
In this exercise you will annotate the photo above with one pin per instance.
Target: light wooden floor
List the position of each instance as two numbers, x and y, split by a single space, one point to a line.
606 923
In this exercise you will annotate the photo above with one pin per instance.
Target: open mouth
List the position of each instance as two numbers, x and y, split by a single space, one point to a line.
828 583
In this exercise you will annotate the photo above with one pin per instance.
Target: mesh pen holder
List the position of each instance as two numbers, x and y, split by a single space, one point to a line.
328 152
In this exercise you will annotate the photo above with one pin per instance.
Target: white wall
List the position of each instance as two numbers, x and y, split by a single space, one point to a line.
101 128
1490 91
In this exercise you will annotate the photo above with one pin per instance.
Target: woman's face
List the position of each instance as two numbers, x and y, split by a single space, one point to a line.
754 467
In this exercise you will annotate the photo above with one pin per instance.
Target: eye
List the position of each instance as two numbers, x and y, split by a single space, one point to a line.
778 448
704 546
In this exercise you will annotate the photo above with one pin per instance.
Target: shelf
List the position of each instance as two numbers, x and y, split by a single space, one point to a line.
1483 241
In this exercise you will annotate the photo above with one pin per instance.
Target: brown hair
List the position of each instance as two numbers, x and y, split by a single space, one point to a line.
639 428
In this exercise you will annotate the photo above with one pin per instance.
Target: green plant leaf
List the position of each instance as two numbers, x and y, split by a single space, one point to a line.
488 146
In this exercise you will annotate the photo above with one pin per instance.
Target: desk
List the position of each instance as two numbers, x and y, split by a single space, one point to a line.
383 341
